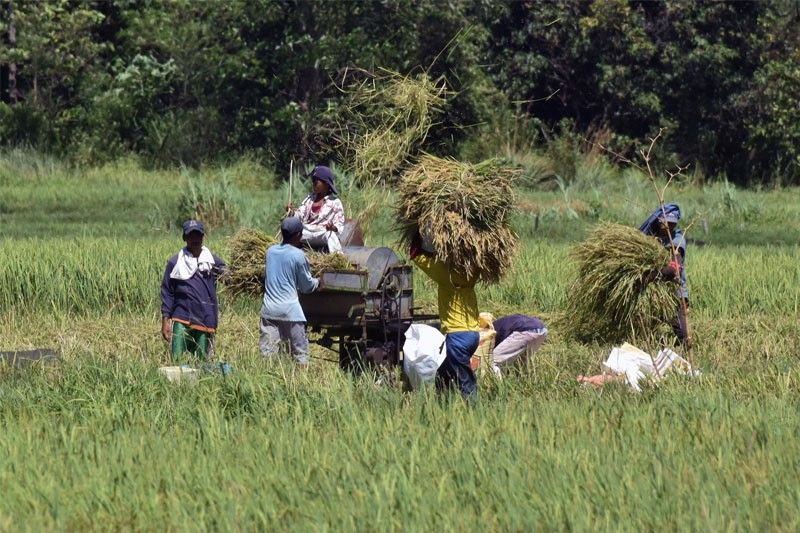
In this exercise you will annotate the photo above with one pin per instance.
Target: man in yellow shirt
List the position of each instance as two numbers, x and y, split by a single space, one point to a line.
458 312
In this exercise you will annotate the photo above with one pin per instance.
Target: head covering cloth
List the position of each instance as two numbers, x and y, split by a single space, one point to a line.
668 212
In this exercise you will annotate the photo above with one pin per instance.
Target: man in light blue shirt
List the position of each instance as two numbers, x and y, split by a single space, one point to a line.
287 273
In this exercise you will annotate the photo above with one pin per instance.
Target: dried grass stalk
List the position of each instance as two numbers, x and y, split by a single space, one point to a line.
321 262
610 300
245 272
386 119
247 251
464 211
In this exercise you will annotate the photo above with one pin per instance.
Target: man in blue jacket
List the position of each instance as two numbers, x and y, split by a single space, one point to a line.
286 273
189 307
663 225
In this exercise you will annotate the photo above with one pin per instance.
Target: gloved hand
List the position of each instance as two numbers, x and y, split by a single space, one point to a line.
671 271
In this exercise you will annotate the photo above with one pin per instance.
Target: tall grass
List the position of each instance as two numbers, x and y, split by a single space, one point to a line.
93 445
94 275
86 275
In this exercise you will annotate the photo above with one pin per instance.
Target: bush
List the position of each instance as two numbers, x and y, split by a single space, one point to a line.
212 201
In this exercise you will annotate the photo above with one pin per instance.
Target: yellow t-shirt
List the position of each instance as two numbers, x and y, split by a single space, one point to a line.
458 304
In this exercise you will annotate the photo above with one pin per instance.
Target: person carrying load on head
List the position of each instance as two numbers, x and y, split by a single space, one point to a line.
321 213
516 337
458 312
189 307
663 225
286 273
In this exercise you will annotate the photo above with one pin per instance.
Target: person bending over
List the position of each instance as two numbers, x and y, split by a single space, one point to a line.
517 336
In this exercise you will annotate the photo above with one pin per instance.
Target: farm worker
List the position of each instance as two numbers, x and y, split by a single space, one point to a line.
629 364
321 213
287 273
517 336
663 224
458 312
189 308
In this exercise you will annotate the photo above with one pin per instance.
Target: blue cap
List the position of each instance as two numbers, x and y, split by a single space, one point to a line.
325 175
193 225
291 226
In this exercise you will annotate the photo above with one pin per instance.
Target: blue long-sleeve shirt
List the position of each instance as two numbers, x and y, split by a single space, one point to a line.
193 300
286 274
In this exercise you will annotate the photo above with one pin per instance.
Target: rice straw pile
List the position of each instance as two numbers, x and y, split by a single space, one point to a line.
463 210
387 118
247 251
610 300
320 262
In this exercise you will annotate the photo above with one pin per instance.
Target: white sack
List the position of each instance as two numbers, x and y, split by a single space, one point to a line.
635 364
423 353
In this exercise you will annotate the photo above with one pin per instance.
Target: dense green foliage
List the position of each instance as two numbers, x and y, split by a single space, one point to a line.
189 82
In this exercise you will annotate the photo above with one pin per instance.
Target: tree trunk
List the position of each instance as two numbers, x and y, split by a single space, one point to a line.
8 81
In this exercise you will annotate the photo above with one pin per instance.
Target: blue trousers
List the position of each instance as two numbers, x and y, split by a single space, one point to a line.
455 370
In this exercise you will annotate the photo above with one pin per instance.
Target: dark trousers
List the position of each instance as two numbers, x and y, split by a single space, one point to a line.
455 369
679 326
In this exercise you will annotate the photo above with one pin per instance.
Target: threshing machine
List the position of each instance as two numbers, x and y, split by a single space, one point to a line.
365 311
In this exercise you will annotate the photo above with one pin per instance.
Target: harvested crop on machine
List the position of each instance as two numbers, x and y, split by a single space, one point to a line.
463 211
320 262
247 250
611 299
387 118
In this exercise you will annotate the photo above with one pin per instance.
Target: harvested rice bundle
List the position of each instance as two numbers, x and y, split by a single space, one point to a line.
610 299
321 262
386 118
247 250
463 211
245 272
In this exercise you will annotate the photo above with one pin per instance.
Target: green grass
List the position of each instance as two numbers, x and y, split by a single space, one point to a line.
101 441
266 451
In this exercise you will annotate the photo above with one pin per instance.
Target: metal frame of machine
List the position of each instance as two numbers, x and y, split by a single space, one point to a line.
366 311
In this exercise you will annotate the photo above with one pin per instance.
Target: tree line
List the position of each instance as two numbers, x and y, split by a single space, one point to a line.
186 81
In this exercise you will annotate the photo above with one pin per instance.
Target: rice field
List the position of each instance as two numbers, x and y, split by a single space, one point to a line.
101 441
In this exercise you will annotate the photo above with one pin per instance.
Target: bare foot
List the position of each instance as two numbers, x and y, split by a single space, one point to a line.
597 380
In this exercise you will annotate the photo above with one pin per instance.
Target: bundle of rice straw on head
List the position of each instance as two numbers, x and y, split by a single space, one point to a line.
610 300
463 211
247 251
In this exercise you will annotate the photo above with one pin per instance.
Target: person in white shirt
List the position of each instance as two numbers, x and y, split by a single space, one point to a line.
321 213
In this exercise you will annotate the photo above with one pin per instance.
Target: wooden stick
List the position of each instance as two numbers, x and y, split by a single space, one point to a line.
291 172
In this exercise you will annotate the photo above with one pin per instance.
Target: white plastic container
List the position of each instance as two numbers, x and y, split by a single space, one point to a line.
180 374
